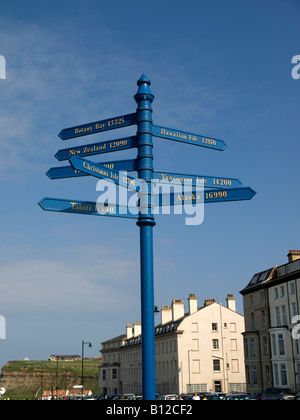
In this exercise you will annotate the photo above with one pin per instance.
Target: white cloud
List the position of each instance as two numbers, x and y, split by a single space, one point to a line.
57 286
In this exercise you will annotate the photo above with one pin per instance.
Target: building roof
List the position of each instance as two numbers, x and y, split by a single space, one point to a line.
258 280
159 329
171 326
271 276
118 338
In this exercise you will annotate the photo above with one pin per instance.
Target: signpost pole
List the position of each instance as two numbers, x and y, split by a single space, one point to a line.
144 99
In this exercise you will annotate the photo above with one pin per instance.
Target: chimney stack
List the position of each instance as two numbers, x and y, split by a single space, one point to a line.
293 255
177 309
208 302
166 314
137 328
193 304
231 302
128 331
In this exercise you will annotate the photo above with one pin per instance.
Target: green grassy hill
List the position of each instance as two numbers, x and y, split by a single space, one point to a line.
26 379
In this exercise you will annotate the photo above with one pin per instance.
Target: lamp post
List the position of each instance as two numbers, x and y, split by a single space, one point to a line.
82 357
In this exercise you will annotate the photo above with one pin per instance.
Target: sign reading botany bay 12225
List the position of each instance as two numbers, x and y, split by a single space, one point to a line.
98 126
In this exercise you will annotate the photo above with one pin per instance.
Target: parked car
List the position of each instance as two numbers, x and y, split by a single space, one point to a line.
278 394
168 397
185 397
256 396
210 397
128 397
231 397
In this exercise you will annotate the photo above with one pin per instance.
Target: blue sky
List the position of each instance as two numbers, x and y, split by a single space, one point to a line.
222 69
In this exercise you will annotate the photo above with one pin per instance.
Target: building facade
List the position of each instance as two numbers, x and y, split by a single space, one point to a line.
271 308
198 351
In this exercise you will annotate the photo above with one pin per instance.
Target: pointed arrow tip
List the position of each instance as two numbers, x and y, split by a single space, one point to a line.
48 174
40 203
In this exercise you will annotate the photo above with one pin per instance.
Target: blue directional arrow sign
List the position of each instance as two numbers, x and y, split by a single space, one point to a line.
197 180
205 196
100 171
98 126
61 172
189 138
87 207
97 148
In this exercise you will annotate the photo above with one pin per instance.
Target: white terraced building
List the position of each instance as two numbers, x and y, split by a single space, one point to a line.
198 351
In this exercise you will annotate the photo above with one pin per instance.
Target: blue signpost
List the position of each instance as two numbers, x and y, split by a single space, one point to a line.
144 99
97 148
87 207
222 189
61 172
98 126
102 172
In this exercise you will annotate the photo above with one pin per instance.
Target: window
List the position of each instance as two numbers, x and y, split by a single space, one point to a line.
246 348
248 380
233 344
265 345
232 327
216 365
294 310
276 374
281 291
252 347
263 317
235 365
281 345
104 375
268 376
280 374
195 344
274 345
277 316
283 375
194 327
276 293
254 375
215 343
283 313
114 374
292 288
252 321
214 326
